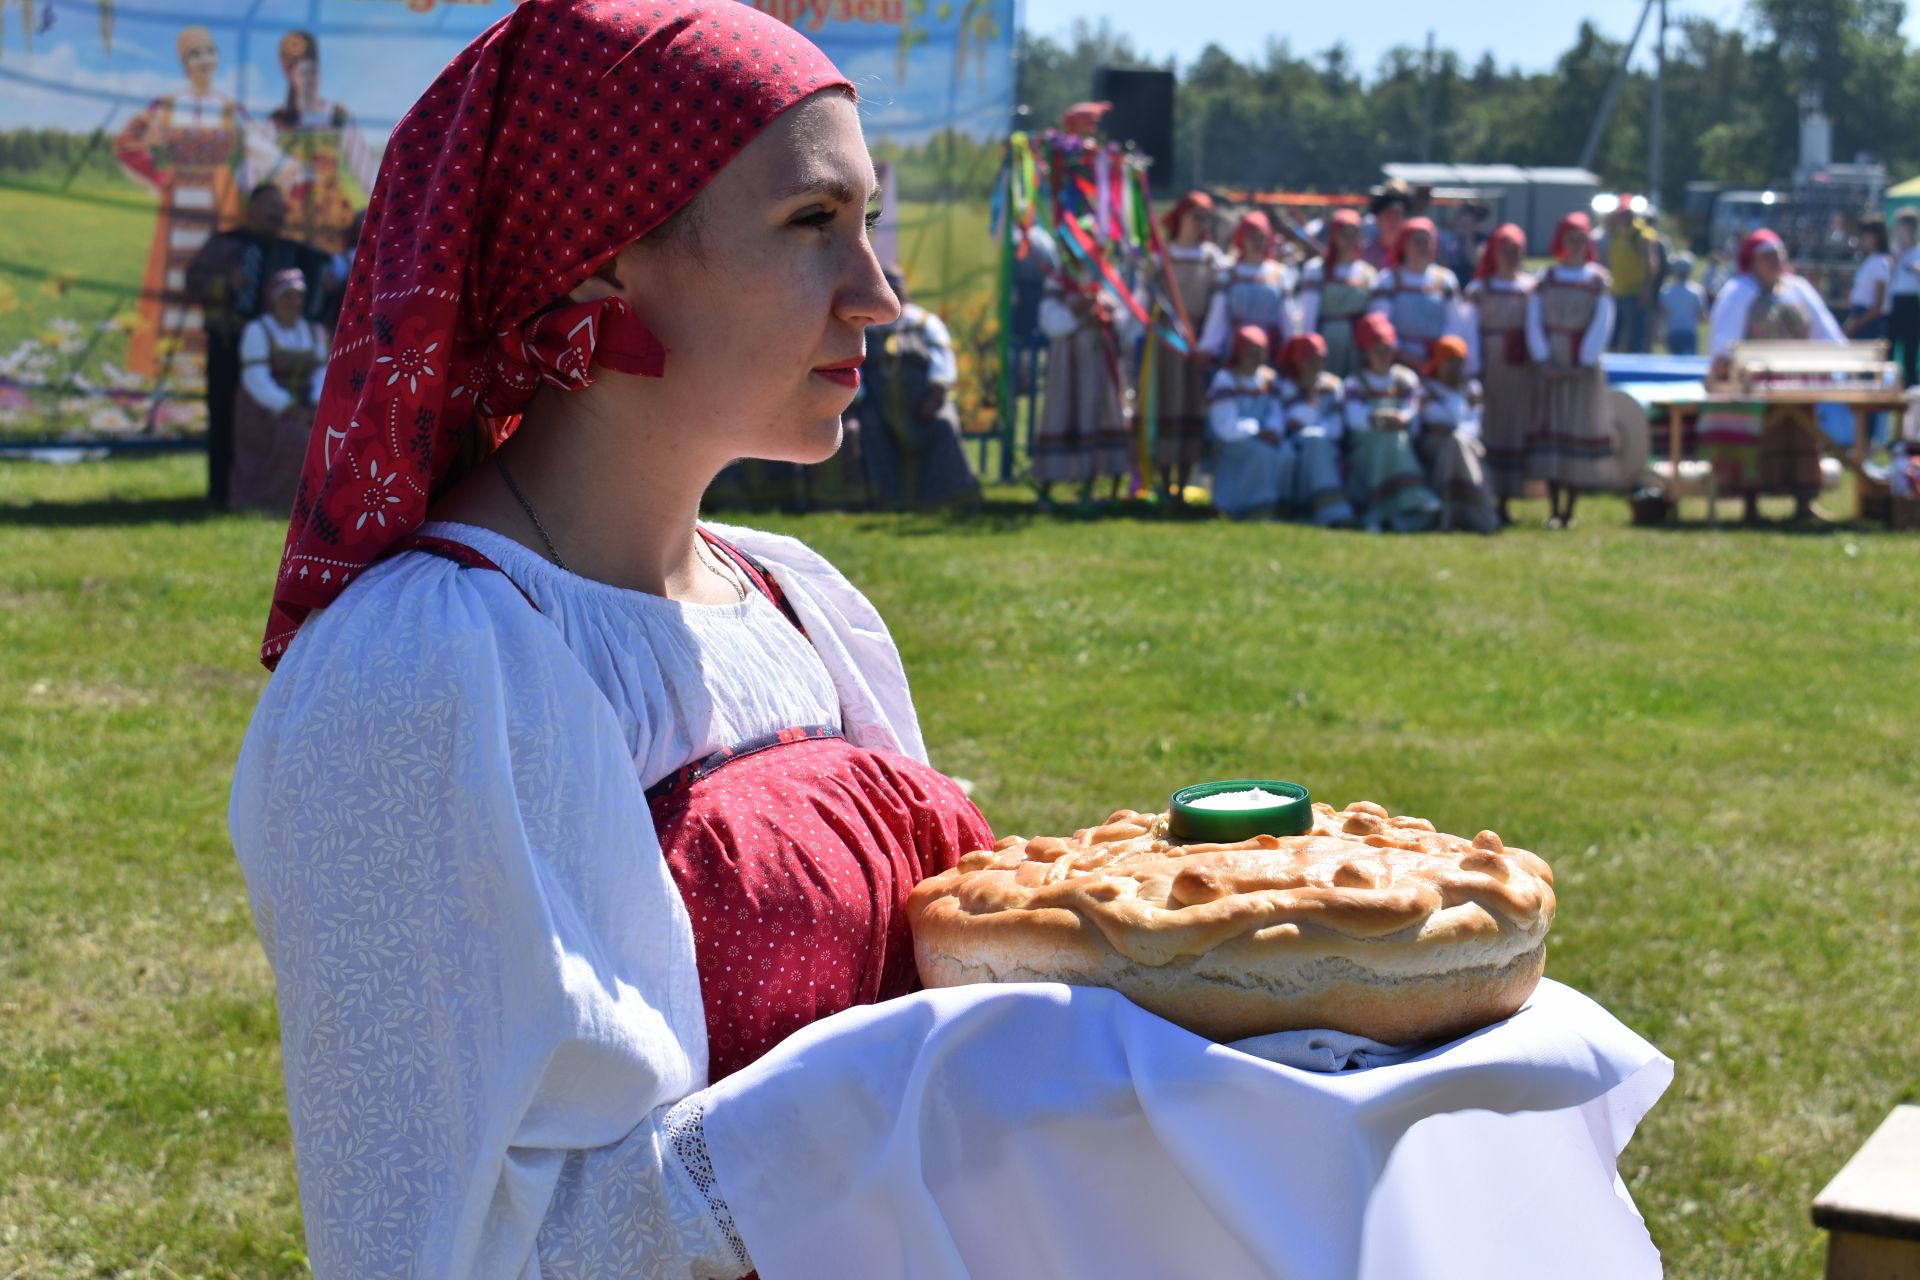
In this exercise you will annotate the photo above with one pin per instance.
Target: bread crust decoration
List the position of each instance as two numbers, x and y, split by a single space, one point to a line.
1369 923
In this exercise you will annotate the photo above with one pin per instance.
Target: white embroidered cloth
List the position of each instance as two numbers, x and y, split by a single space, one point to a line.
1050 1131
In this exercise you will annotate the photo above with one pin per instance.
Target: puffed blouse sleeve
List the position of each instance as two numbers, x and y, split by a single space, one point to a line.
485 975
1728 323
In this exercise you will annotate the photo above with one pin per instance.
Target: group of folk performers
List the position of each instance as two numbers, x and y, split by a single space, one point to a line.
1344 393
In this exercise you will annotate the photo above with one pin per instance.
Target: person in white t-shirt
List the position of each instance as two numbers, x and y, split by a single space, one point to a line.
1872 294
1903 315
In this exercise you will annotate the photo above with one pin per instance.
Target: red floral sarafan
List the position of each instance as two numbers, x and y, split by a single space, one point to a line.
565 132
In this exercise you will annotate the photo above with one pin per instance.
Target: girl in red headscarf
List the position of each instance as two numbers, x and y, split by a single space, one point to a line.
1449 441
1250 456
1335 288
563 805
1569 318
1180 378
1313 403
1421 297
1756 451
1256 290
1383 404
1499 294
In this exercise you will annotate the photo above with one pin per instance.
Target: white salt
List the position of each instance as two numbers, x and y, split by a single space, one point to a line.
1254 798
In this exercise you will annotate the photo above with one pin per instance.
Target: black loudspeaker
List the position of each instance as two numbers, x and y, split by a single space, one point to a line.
1142 113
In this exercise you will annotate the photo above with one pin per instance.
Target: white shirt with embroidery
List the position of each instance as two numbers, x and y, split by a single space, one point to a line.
485 973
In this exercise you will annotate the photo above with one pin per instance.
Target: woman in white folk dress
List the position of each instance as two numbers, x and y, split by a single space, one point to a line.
1569 319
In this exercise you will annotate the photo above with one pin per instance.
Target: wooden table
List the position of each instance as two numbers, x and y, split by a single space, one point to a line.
1871 1209
1864 401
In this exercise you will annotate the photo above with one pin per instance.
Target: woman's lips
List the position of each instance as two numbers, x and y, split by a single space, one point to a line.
846 373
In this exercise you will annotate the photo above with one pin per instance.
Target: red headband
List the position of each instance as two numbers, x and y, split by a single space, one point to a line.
1248 335
1185 204
1758 240
1572 222
1505 233
1298 348
565 132
1254 221
1341 218
1410 228
1372 329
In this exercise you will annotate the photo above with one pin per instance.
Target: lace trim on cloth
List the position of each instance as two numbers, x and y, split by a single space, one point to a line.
685 1128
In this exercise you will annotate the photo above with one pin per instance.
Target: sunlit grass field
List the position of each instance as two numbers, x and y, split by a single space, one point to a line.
1713 735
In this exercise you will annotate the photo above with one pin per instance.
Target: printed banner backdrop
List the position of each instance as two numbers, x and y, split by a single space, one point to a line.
130 132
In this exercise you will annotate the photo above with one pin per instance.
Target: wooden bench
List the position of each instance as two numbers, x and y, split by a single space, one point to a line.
1871 1209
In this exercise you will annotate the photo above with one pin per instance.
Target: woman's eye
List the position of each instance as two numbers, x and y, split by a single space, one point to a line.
873 219
815 218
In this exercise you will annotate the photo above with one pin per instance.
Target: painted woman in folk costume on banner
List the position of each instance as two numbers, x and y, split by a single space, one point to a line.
1419 296
1335 289
325 167
1085 425
1757 449
1569 319
187 146
1180 378
1254 290
1510 382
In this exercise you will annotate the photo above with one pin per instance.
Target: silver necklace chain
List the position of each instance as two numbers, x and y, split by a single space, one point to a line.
705 556
514 489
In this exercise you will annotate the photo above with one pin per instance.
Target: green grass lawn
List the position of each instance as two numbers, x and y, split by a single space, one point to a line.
1712 735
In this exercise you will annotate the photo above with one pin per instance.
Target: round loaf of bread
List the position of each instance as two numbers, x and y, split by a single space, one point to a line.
1371 924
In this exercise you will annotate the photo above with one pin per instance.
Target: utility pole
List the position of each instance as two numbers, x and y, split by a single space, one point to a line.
1658 133
1426 102
1592 149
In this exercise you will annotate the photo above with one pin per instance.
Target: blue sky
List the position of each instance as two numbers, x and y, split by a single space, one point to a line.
1527 35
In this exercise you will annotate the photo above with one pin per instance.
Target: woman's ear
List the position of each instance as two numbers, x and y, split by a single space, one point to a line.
616 278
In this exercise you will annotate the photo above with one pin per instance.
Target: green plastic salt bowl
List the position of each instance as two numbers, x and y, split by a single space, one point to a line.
1293 816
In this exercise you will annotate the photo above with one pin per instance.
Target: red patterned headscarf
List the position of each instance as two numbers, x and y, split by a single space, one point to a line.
565 132
1372 329
1754 243
1505 233
1572 222
1298 348
1410 228
1253 221
1192 200
1247 335
1330 256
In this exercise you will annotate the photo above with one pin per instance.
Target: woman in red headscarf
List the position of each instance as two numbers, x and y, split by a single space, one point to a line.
1383 404
1499 294
1421 297
1569 319
1335 288
562 805
1250 455
1180 377
1313 403
1255 290
1755 451
1449 441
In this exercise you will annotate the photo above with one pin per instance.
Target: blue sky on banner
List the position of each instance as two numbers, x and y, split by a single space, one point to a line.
377 55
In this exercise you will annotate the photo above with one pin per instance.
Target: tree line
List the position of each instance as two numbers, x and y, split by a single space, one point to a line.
1282 118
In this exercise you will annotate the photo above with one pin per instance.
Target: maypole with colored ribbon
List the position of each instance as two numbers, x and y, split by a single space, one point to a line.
1091 197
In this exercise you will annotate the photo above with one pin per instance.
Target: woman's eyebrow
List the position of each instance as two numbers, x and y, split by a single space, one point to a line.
833 188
